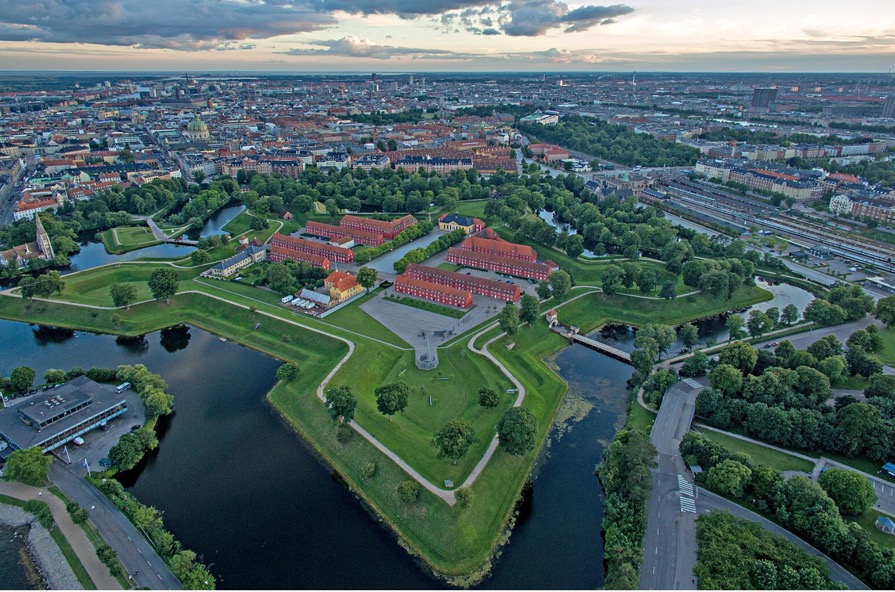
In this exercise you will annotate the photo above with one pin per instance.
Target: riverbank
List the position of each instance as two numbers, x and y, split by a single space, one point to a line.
46 556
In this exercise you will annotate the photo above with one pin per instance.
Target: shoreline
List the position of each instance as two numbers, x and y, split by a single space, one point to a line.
44 554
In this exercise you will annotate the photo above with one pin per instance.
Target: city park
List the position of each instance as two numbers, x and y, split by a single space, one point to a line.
456 535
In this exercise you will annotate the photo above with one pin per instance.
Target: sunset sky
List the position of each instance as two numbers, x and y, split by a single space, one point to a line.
447 35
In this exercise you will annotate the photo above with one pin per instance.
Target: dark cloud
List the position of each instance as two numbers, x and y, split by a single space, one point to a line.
363 48
404 8
490 31
171 24
531 18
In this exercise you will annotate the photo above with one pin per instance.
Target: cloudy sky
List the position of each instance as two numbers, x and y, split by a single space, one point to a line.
447 35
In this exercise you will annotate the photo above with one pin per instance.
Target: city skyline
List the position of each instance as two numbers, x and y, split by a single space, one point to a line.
445 35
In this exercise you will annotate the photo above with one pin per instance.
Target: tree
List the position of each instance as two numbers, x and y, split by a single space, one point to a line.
881 385
530 309
560 283
613 280
790 314
287 372
464 496
340 403
857 425
728 477
689 335
280 279
773 314
156 402
668 291
852 492
575 246
21 379
28 466
834 367
826 347
885 310
813 384
392 398
727 379
332 208
860 362
662 335
366 277
736 326
54 376
740 355
488 397
543 290
517 430
48 284
163 284
454 439
409 491
647 280
123 295
758 323
695 365
868 338
508 319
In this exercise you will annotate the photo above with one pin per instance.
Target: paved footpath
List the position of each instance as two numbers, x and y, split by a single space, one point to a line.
82 546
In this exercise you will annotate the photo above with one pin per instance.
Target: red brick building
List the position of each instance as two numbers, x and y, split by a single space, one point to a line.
279 253
289 247
461 281
388 230
330 231
527 269
434 292
498 247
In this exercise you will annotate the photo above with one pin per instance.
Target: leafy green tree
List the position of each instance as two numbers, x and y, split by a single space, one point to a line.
647 280
860 362
825 347
280 278
740 355
366 277
560 284
695 365
613 280
131 447
156 402
881 385
773 314
488 397
123 295
409 491
287 372
664 336
529 309
392 398
689 335
517 430
869 339
813 384
543 290
729 477
28 466
668 291
758 323
199 257
508 319
332 208
885 310
575 246
736 326
464 497
790 314
833 368
727 379
454 439
21 379
163 284
857 425
54 376
852 492
340 403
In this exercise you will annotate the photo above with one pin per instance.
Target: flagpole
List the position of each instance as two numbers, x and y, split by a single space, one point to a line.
89 474
67 454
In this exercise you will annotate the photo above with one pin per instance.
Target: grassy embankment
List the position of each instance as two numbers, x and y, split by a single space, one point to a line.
127 238
454 313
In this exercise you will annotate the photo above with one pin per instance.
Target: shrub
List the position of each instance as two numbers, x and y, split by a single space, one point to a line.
409 491
464 496
344 433
368 470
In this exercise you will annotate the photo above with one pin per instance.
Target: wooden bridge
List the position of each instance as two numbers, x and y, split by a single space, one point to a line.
573 335
182 241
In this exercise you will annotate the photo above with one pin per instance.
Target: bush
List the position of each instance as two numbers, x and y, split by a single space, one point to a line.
102 374
409 491
344 433
78 514
464 496
42 511
368 470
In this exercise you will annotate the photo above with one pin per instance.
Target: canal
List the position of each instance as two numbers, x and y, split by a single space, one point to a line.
249 496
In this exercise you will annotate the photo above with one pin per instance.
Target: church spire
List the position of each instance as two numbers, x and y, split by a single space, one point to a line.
43 240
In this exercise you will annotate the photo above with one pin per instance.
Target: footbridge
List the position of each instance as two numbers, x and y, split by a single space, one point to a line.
572 334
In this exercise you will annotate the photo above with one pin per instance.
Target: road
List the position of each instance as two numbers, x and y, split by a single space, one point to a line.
709 502
669 547
134 551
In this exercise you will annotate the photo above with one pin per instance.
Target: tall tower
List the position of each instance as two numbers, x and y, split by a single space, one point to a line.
43 240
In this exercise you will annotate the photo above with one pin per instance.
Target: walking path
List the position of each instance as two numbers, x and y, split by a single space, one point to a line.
79 542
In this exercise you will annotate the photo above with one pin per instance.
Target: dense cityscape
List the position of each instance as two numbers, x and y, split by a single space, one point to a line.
363 314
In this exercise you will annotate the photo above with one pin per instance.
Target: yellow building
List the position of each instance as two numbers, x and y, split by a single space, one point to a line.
342 286
451 222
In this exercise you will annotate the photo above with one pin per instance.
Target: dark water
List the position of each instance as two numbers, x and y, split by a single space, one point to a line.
241 489
14 572
215 224
93 254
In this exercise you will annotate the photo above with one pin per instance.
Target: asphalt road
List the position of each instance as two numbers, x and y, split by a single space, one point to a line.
709 502
669 547
134 551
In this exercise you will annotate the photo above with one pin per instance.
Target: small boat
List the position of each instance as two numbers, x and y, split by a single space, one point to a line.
222 338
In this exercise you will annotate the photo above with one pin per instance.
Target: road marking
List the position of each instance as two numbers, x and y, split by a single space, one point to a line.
688 505
159 577
149 564
657 550
654 570
139 551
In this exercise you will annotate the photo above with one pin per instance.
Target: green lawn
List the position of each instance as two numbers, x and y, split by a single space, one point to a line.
92 286
475 209
867 521
887 356
760 454
130 238
353 318
447 311
449 266
639 418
